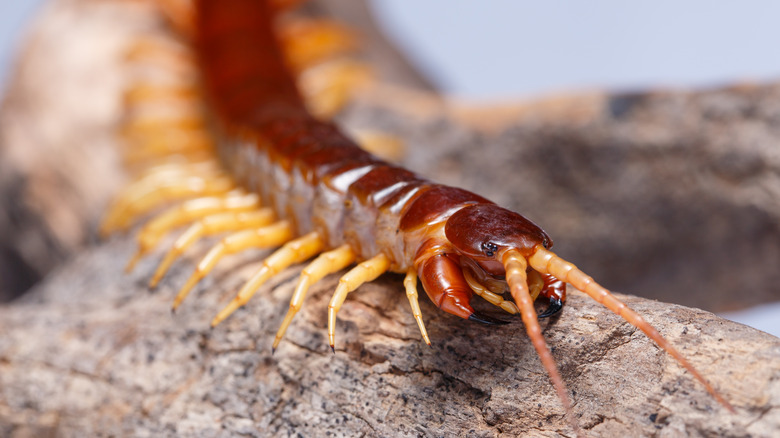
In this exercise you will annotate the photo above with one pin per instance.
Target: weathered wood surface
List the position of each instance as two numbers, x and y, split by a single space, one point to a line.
92 352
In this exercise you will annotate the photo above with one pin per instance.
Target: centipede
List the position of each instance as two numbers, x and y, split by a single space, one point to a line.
233 147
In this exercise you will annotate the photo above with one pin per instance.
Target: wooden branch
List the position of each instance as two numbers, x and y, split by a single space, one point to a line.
92 352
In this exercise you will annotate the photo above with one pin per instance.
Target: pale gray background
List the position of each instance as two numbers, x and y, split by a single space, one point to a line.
505 49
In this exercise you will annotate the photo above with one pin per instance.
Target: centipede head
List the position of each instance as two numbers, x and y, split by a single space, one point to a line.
481 234
467 259
484 231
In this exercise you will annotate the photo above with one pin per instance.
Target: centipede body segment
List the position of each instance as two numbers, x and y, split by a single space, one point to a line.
242 152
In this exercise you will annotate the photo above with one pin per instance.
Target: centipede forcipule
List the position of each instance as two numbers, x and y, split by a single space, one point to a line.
289 180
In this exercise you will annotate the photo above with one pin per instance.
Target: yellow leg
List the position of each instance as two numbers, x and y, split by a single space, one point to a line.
383 145
163 172
144 92
271 235
296 251
143 158
147 125
155 176
148 181
487 295
366 271
164 53
184 188
535 283
187 212
166 132
218 223
410 283
327 263
181 15
329 86
188 145
307 42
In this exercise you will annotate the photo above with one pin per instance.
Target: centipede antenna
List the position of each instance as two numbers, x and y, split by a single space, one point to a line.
515 265
546 261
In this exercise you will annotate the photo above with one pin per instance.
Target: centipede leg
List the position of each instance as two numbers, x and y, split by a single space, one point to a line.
180 14
488 295
175 145
151 124
381 144
516 265
141 93
210 225
329 86
295 251
189 187
165 172
148 184
410 283
166 54
307 42
185 213
366 271
326 263
271 235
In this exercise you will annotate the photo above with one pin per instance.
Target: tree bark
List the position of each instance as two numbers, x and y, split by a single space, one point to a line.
92 353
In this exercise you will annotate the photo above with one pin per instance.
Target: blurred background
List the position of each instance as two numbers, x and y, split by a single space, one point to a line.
507 50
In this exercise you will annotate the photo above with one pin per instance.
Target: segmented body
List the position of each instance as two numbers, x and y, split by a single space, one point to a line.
307 169
322 194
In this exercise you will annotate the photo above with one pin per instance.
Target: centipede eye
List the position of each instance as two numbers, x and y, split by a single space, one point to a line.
489 248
